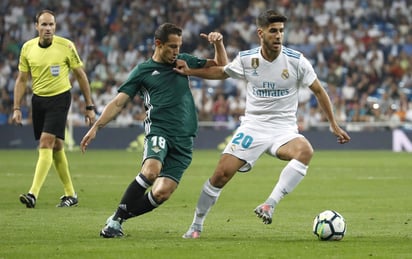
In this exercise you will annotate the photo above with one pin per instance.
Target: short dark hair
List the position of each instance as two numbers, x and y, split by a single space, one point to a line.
42 12
268 17
163 31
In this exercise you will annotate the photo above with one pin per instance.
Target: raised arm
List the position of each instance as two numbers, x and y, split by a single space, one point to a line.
220 58
214 68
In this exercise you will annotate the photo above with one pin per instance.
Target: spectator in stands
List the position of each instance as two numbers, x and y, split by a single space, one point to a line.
4 115
237 106
88 22
220 110
206 106
125 118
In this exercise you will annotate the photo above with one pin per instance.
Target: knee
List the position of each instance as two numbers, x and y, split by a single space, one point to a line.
220 178
151 176
162 189
305 153
49 141
160 196
151 169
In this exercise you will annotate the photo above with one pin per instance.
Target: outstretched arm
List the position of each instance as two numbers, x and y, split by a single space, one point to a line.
109 113
325 104
213 68
214 72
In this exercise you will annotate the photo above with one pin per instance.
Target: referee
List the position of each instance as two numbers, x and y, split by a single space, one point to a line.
48 60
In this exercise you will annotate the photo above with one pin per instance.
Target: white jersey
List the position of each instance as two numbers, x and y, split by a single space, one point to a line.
272 87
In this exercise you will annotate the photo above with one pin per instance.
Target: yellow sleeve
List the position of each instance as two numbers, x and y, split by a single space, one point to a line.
23 63
74 59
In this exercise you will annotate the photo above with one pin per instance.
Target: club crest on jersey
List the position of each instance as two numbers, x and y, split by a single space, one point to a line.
233 147
255 65
156 149
285 74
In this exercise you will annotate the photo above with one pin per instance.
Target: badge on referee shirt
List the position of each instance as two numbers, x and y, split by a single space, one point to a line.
55 70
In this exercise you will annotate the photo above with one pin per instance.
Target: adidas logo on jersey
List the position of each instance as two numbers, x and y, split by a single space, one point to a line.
155 73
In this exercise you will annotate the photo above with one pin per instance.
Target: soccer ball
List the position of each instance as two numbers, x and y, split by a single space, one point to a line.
329 225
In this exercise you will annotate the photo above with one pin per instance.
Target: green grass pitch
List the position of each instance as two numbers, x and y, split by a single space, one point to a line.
371 189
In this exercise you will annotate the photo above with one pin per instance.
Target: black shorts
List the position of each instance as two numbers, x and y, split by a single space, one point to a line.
49 114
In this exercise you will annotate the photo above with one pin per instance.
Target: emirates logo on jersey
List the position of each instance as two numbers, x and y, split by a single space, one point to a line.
285 74
255 65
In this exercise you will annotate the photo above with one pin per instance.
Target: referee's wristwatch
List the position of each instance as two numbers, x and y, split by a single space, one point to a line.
90 107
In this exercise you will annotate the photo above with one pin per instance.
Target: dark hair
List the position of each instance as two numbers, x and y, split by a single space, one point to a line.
163 31
42 12
268 17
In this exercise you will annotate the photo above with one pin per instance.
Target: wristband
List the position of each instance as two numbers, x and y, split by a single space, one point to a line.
16 108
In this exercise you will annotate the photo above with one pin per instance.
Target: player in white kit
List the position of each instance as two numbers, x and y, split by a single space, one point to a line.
274 74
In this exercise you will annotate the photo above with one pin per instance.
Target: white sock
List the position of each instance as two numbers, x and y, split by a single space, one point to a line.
289 178
207 199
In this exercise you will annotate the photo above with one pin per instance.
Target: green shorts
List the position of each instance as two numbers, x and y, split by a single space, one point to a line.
175 153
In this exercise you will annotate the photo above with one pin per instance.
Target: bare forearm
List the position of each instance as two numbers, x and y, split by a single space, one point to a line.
215 72
220 54
19 90
326 106
86 93
109 113
84 85
216 39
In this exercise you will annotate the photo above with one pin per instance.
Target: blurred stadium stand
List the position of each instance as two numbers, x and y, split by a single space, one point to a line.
361 50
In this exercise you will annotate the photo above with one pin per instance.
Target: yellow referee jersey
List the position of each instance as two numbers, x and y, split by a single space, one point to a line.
49 67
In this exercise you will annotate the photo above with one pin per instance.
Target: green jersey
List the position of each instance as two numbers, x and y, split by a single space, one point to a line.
170 108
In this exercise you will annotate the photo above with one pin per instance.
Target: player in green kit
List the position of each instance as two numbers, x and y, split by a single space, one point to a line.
170 123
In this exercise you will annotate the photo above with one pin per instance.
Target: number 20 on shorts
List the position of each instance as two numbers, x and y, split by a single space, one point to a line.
243 140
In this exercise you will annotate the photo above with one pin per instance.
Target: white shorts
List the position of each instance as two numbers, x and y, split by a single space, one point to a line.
250 141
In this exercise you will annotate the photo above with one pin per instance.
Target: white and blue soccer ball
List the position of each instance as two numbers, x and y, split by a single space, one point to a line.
329 225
